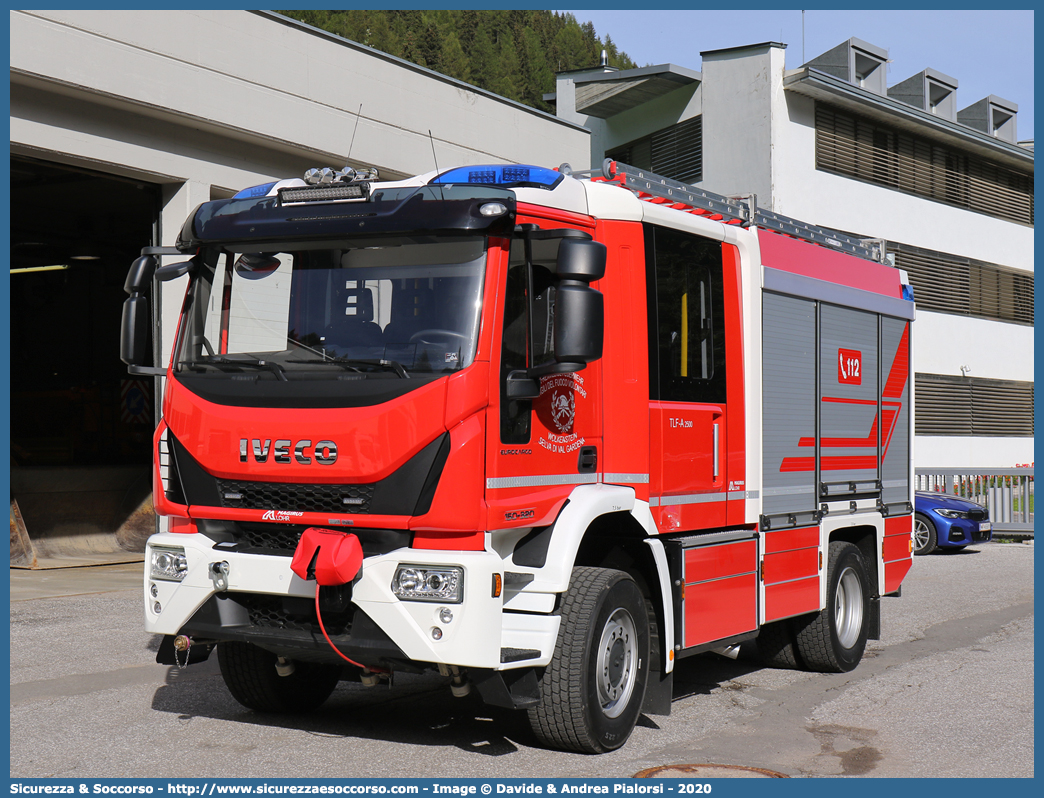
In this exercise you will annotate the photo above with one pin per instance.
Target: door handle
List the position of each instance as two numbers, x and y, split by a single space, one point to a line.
587 463
716 447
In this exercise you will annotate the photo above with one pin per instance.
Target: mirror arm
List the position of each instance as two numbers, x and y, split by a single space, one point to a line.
558 367
530 232
172 271
147 371
521 386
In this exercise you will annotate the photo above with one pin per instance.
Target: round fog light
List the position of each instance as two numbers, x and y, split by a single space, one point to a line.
436 633
445 615
154 591
156 608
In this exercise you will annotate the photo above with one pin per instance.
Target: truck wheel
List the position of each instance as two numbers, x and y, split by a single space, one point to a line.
776 645
925 536
250 675
592 691
833 641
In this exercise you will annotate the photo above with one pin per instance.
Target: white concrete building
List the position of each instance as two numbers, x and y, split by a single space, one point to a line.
124 121
949 189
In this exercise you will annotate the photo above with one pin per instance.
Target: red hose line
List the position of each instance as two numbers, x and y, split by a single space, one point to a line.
328 640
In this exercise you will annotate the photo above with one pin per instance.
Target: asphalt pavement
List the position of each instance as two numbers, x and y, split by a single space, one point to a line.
946 692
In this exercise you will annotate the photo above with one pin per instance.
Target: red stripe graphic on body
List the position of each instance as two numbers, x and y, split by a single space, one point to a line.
893 389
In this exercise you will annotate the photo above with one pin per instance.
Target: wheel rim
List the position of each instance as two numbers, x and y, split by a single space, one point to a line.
617 663
848 608
921 534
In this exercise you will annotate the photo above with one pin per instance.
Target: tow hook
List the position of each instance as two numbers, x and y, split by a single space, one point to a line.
219 575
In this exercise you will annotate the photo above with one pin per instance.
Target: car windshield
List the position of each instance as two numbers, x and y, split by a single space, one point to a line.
383 308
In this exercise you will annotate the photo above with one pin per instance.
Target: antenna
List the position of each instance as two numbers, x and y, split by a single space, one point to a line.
432 140
352 144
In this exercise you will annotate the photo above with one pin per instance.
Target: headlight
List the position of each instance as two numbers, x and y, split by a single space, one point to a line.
169 563
429 583
952 513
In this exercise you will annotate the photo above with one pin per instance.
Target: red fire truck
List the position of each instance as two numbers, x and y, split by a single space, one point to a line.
544 433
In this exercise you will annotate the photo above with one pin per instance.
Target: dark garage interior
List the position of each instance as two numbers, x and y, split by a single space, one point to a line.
81 427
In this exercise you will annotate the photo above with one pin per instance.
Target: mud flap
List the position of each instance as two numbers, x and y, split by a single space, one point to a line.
659 693
513 689
874 632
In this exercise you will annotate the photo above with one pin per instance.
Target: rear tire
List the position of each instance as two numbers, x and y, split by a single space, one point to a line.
250 675
833 641
777 647
592 691
926 538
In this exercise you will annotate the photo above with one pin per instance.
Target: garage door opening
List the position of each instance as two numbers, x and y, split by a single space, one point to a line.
81 427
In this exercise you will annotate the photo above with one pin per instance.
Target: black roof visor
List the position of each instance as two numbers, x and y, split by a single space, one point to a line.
424 209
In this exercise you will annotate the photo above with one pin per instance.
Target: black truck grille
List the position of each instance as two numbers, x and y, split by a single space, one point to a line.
295 498
291 614
269 538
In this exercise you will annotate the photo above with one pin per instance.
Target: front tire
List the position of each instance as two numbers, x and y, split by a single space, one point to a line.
926 538
250 675
592 691
833 641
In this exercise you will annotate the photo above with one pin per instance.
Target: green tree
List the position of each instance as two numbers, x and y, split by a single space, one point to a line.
484 60
508 82
539 77
453 61
514 53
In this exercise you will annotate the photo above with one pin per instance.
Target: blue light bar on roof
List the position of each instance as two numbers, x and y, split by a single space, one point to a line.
255 191
502 175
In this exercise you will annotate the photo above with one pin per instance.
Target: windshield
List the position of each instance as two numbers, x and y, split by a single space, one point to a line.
387 308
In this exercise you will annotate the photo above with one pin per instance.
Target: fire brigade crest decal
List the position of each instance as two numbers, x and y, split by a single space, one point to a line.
563 408
556 409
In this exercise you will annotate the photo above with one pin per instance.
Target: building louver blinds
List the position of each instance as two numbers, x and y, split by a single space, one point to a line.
966 406
962 286
675 152
856 147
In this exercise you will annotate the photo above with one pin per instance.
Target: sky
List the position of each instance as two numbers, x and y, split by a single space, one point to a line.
988 52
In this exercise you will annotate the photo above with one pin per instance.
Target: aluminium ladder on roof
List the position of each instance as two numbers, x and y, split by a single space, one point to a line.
739 211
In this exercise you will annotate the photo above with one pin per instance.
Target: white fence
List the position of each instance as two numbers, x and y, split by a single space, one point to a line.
1007 492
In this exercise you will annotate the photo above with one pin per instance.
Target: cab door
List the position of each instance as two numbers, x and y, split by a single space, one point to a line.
538 449
687 385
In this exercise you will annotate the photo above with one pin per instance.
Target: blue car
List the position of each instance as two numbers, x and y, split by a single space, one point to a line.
942 520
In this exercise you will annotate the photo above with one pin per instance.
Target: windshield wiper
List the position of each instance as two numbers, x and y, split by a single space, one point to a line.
354 363
270 365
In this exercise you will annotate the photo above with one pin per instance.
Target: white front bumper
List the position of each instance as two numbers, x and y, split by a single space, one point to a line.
480 627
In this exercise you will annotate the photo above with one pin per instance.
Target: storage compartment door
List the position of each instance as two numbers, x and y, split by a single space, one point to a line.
789 407
895 409
849 412
721 591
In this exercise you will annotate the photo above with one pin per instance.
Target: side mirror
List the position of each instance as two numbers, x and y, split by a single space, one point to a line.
134 327
580 310
581 260
579 316
140 275
134 332
580 325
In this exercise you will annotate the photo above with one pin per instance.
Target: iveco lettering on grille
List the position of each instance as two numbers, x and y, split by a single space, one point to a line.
324 452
